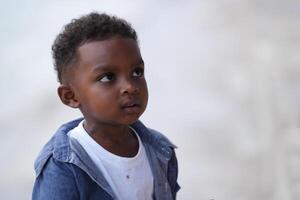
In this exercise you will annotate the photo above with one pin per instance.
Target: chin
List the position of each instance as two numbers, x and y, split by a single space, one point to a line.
130 119
129 122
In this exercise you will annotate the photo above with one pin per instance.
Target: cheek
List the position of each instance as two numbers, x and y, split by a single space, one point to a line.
144 90
105 99
99 99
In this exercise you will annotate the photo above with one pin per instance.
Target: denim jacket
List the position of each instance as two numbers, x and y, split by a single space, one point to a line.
64 171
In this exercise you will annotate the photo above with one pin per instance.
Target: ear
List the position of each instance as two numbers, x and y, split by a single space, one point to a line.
67 96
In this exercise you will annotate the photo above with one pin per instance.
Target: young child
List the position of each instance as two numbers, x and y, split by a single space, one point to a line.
109 153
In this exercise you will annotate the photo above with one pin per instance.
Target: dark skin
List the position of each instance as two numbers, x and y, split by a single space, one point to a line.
107 84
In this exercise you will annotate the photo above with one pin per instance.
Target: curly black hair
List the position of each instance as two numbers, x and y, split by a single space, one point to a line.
93 26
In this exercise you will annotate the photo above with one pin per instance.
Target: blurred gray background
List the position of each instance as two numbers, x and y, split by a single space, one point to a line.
224 85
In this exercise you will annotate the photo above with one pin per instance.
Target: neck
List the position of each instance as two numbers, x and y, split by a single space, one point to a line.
117 139
107 132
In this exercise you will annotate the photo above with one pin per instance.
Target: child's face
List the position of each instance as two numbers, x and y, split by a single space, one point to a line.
109 82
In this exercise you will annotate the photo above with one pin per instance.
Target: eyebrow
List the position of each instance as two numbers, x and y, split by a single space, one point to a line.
104 67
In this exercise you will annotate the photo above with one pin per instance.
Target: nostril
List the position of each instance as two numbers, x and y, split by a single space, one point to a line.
130 90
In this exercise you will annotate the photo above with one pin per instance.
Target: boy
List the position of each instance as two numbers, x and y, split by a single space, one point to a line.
109 153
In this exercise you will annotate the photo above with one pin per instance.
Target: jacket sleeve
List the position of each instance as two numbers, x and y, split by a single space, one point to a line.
173 174
55 182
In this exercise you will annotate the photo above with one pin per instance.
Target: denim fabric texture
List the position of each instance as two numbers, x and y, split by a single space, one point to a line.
64 171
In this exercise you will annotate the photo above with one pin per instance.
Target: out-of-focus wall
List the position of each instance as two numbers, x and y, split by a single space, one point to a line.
224 86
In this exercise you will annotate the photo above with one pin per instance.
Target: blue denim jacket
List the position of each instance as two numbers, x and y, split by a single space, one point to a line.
64 171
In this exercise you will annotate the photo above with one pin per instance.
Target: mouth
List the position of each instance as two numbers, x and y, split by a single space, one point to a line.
131 107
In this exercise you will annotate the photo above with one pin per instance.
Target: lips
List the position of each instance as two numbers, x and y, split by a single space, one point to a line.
131 107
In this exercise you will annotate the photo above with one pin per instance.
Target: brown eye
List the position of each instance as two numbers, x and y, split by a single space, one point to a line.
138 72
106 77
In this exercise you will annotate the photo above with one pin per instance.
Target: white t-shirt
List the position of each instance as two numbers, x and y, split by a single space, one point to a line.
129 177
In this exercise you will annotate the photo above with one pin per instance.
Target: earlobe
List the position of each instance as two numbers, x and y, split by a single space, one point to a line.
67 96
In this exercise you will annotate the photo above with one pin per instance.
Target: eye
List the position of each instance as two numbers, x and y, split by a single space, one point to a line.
138 72
107 77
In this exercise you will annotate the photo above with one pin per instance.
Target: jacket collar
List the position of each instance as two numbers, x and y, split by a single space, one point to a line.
61 148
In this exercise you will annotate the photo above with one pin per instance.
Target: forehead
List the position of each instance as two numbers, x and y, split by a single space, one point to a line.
114 51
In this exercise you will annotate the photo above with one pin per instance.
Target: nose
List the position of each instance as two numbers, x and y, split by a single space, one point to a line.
128 87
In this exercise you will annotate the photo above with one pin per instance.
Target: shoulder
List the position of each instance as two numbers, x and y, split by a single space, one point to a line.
165 149
57 148
56 181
